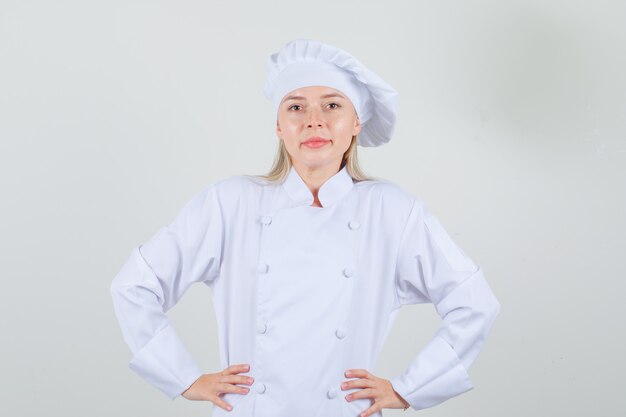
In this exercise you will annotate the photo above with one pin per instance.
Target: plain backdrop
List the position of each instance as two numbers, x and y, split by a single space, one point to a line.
511 127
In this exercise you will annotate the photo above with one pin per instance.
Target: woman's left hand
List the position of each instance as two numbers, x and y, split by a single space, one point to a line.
378 389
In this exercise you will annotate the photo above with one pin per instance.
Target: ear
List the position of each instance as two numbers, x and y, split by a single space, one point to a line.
357 126
278 131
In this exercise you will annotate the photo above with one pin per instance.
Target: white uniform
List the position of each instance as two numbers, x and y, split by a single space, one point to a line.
303 293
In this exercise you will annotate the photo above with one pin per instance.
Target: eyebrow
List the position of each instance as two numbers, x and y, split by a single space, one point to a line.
304 98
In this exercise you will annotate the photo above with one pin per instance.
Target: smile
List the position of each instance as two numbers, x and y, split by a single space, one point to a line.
316 143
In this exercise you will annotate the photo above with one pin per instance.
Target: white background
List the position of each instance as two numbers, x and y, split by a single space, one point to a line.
512 128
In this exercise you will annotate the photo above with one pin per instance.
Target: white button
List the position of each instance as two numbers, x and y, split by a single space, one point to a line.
348 272
332 393
354 224
266 220
261 328
263 268
260 387
340 333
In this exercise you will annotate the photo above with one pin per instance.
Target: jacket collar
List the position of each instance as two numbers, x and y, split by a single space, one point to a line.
330 192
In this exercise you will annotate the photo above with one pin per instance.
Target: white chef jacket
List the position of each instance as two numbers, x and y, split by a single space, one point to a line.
303 293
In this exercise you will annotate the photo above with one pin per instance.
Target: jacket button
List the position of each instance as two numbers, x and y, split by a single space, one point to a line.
260 388
354 224
348 272
332 393
263 268
340 333
266 220
261 328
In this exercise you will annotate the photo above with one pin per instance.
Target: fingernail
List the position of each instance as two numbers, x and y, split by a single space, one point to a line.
343 385
348 373
251 380
229 408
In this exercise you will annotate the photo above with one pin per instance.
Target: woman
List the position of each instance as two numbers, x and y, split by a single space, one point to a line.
308 266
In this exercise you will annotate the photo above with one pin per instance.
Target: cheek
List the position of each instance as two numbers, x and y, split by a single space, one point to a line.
342 122
289 122
344 128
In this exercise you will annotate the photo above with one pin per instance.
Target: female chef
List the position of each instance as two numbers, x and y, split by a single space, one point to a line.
308 266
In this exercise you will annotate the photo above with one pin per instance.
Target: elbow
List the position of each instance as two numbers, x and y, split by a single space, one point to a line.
115 287
491 310
496 308
118 291
131 277
117 284
125 276
486 306
490 305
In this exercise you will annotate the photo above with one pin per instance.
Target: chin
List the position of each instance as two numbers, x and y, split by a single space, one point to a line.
313 163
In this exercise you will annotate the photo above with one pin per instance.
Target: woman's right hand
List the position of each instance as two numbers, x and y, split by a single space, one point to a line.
211 387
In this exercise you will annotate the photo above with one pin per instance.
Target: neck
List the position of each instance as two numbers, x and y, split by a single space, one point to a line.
315 177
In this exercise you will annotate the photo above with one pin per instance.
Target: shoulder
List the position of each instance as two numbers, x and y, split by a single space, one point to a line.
237 183
389 193
220 195
234 188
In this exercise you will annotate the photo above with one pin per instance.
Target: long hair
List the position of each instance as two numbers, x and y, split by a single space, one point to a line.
282 164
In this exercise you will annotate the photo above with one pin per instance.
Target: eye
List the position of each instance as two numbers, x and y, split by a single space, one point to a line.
292 106
334 104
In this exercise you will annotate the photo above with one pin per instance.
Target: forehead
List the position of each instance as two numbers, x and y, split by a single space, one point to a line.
311 92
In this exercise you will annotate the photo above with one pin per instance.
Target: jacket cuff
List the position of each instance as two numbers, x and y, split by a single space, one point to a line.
435 375
166 364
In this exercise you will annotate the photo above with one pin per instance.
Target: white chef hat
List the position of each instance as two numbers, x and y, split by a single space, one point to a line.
305 62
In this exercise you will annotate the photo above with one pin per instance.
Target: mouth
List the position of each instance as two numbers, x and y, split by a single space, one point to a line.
315 142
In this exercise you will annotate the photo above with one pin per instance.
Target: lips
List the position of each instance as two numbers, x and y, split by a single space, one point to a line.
315 140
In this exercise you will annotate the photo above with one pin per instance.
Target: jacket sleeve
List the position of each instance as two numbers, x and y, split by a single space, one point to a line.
152 281
432 268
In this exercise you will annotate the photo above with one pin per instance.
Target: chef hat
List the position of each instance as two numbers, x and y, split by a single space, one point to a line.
304 62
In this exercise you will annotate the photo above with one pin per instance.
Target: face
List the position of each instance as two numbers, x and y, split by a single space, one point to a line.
316 125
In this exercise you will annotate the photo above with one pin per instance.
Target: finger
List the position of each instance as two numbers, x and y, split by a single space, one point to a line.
357 383
222 404
237 379
235 369
374 408
362 373
232 389
364 393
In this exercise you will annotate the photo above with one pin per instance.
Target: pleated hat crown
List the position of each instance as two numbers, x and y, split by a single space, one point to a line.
305 62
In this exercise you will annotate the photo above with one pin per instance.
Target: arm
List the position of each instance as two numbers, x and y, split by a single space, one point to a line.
152 281
432 268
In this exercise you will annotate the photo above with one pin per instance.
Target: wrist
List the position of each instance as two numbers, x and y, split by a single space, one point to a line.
405 403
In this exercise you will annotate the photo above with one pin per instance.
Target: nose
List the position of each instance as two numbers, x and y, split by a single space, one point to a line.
315 118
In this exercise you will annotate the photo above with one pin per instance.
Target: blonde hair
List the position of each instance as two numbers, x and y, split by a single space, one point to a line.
282 164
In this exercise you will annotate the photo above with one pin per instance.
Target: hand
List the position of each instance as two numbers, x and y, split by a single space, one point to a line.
379 389
211 387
